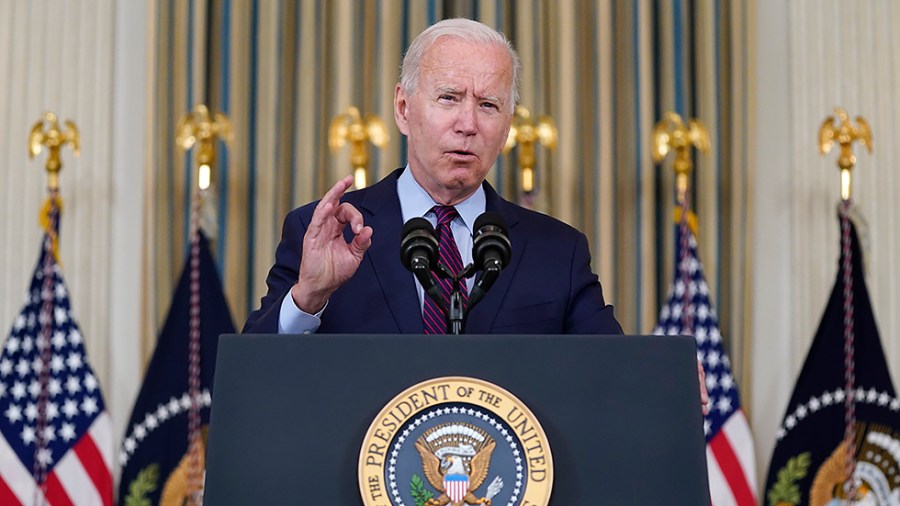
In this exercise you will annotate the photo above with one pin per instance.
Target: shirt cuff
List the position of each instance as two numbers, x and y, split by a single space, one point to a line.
293 320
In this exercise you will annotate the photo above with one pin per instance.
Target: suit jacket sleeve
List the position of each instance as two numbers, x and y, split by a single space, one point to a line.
282 275
588 312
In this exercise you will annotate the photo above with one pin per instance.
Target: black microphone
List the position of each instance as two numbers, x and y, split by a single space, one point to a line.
491 251
418 250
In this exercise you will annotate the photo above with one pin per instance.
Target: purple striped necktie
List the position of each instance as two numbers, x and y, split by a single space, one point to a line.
434 319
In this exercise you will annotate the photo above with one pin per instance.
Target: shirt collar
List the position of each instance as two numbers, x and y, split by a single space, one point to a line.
416 202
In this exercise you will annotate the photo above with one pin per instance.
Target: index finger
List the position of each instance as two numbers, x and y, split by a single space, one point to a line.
334 195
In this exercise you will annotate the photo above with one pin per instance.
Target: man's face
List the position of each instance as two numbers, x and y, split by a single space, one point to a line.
458 117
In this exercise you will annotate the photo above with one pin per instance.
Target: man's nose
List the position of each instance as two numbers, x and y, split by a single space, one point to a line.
467 118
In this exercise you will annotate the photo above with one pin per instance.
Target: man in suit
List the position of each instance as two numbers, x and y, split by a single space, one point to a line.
338 267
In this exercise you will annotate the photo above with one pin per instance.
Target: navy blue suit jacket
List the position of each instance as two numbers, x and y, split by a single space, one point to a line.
547 288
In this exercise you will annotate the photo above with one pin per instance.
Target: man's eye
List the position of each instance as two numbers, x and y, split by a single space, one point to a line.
447 97
490 105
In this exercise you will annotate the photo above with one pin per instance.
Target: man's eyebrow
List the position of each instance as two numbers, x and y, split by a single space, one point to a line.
448 89
492 98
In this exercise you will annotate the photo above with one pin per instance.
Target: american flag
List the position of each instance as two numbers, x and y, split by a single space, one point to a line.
729 444
55 433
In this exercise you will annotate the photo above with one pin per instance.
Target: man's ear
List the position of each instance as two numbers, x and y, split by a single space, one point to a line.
401 106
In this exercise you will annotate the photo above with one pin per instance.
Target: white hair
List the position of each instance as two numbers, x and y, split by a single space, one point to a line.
467 30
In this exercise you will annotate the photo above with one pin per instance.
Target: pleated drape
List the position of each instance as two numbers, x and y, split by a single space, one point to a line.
605 70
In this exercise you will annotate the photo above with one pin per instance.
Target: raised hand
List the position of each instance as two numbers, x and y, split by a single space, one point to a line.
328 260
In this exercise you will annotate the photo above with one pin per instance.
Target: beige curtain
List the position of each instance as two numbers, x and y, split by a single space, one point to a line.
605 70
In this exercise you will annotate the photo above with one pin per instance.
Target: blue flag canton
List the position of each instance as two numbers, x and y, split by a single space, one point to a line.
73 399
688 311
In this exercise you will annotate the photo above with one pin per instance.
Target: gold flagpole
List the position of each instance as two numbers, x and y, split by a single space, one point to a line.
845 133
199 129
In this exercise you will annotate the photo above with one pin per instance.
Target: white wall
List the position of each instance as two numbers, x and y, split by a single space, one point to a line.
85 60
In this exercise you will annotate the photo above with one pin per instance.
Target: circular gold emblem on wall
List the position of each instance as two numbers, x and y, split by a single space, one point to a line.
455 441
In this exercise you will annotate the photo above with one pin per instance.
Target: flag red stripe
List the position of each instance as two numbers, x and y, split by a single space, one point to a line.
95 467
55 493
732 470
6 494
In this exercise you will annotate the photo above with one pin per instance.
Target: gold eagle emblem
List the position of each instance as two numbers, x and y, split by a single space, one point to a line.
462 451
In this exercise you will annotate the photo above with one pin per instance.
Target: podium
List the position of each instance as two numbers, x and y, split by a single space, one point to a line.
621 414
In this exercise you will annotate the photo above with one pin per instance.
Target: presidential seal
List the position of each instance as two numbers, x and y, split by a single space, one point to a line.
455 441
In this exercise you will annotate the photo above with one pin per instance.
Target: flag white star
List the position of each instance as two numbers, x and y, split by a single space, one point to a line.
814 404
22 367
75 337
52 410
727 382
724 404
27 435
45 456
12 344
57 364
54 387
90 383
711 382
19 323
34 389
31 411
13 413
67 431
37 365
74 361
18 390
89 405
5 367
60 315
59 339
70 408
72 385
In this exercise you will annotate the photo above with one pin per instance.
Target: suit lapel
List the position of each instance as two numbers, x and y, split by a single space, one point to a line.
381 210
482 316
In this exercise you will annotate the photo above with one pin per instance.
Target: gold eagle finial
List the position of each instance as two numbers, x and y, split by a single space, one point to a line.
526 132
845 133
351 127
54 139
671 134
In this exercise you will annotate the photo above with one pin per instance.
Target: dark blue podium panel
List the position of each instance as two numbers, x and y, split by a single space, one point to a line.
621 414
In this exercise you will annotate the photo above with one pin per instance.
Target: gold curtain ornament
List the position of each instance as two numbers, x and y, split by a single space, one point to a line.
672 134
845 133
351 127
526 132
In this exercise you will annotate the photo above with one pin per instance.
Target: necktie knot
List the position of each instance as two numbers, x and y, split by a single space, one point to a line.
444 214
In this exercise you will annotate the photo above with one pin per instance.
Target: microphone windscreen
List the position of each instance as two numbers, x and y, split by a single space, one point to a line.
416 224
490 218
